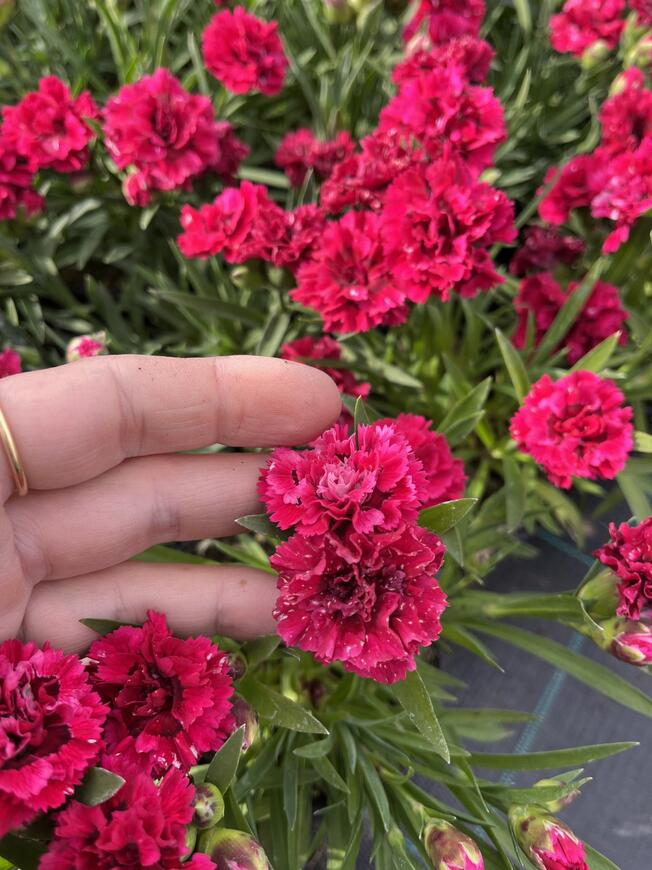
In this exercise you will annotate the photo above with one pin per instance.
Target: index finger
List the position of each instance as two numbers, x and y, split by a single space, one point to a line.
74 422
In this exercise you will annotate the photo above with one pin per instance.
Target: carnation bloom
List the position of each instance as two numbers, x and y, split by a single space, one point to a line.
370 481
50 729
628 640
84 346
542 249
244 53
447 115
48 127
324 348
300 151
363 178
450 849
437 225
142 825
643 9
369 602
165 133
581 23
447 19
626 117
10 363
629 555
170 698
348 281
470 55
230 152
16 179
227 225
575 427
540 298
575 186
445 478
548 843
289 238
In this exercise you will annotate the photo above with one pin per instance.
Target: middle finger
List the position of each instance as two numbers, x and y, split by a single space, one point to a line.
143 502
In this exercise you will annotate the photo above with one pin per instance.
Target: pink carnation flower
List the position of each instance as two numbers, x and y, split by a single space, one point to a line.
300 151
168 135
244 53
575 427
445 478
142 825
542 249
471 56
370 482
362 178
643 8
630 641
575 186
16 180
231 151
540 298
10 363
290 238
547 842
349 281
371 605
439 243
446 115
170 698
626 117
447 19
48 127
50 729
323 348
629 555
581 23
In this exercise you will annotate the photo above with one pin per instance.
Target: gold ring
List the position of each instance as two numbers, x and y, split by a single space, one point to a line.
16 466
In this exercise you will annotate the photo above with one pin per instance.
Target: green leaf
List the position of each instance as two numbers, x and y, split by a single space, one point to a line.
462 637
24 854
515 494
291 789
328 773
535 794
413 696
282 711
98 786
597 861
167 555
273 333
103 626
316 749
466 408
441 518
268 177
524 14
598 677
597 358
224 764
260 649
636 499
569 312
375 790
557 758
643 442
359 414
515 366
261 525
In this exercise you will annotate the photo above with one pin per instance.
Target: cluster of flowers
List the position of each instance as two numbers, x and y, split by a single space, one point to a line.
357 578
595 25
143 704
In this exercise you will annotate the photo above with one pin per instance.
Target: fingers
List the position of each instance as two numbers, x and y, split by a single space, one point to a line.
73 422
228 600
153 500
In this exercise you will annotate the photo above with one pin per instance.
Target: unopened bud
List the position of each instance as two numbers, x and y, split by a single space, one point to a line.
641 54
228 848
86 346
558 805
595 54
191 842
548 843
209 806
626 640
244 715
450 849
248 277
600 595
337 11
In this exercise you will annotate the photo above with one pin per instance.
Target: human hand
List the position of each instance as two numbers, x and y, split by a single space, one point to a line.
98 440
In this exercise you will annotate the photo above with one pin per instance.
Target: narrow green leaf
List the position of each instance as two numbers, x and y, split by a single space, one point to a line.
598 861
636 499
413 696
103 626
291 789
557 758
466 407
515 494
328 773
98 786
260 649
279 709
441 518
273 334
224 764
533 795
268 177
524 14
375 790
166 555
316 749
25 854
462 637
515 366
643 442
597 358
261 525
598 677
360 414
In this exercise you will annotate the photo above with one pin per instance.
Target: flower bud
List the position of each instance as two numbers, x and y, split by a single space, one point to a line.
191 842
595 54
233 849
337 11
244 715
85 346
548 843
626 640
209 806
600 594
450 849
248 277
558 805
641 54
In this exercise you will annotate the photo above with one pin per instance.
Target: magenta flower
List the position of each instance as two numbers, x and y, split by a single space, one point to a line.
582 23
10 363
629 555
450 849
546 840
